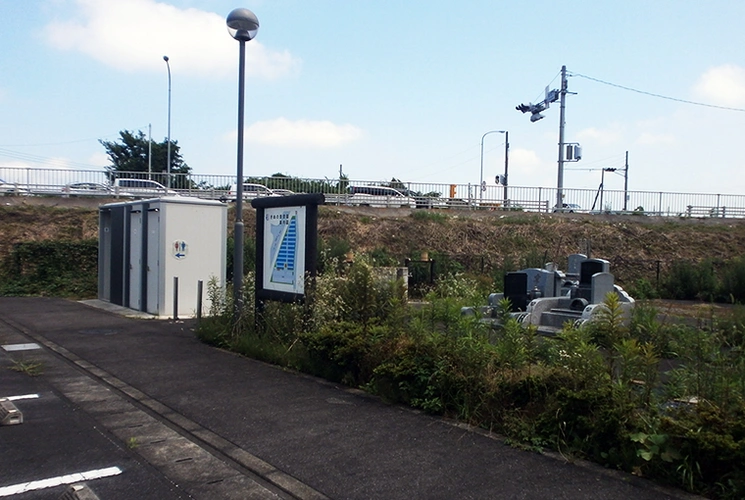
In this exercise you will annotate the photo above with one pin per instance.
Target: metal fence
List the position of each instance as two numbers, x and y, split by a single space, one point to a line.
52 182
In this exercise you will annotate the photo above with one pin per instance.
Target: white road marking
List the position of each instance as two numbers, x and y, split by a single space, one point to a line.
16 489
21 347
24 396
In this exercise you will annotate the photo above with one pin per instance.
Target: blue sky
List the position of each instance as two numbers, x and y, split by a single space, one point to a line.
385 88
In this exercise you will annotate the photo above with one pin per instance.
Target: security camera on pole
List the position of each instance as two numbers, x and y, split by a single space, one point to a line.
535 115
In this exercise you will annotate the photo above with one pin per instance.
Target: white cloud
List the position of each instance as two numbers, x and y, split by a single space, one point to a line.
722 85
302 133
99 159
524 158
524 164
648 138
603 137
133 35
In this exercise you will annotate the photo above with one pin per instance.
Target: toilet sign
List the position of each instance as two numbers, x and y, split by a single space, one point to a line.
179 249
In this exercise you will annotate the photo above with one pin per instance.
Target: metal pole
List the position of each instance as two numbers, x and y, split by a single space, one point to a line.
168 159
481 178
200 287
506 164
175 297
626 182
238 230
602 188
560 184
149 151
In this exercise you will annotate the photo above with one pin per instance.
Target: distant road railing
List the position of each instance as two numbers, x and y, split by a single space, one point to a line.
52 182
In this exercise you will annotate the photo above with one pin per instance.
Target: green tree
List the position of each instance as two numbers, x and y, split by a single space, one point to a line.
130 154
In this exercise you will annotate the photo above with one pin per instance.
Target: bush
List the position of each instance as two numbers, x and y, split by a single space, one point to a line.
51 268
592 392
690 281
732 283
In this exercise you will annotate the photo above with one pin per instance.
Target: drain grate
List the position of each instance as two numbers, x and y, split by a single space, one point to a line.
79 492
98 331
9 414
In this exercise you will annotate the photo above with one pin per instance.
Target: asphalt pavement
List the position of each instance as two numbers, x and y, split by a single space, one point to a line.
139 408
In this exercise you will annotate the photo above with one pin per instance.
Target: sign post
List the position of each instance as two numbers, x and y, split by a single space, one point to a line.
286 243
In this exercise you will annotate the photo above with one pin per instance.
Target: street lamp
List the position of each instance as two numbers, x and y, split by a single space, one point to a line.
506 149
168 158
243 26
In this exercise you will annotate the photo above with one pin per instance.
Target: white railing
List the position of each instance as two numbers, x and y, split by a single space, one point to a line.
51 182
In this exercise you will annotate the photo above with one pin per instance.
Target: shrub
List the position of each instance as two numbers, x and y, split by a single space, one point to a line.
689 281
732 282
54 268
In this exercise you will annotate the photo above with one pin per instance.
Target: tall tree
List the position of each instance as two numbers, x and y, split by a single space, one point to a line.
130 154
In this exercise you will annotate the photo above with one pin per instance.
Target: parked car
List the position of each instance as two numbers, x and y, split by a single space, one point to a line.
379 196
283 192
250 191
87 189
141 188
570 208
426 200
9 188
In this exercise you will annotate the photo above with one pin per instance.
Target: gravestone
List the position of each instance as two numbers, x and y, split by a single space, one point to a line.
588 267
602 284
516 289
573 264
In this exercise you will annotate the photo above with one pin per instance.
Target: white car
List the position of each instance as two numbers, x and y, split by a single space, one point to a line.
87 189
569 208
250 191
283 192
9 188
379 197
141 188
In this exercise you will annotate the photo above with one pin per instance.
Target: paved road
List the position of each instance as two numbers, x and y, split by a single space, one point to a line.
179 419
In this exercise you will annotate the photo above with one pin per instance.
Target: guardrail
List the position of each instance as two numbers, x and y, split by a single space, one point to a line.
51 182
692 211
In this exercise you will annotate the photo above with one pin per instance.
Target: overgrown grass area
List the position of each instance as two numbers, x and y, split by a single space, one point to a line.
658 400
51 268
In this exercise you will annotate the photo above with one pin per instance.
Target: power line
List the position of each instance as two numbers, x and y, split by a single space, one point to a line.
51 162
75 141
660 96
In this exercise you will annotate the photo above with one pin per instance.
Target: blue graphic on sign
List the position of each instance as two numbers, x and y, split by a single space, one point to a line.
179 249
284 248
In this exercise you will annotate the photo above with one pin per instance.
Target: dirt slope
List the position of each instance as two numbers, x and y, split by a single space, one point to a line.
633 244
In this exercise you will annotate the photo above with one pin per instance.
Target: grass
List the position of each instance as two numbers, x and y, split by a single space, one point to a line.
30 368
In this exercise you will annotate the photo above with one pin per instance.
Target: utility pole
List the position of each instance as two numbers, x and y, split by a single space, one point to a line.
506 164
535 115
562 122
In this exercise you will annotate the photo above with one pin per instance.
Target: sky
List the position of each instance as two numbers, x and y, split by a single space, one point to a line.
386 88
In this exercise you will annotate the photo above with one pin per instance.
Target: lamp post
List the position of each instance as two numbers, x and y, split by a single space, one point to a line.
243 26
168 158
481 179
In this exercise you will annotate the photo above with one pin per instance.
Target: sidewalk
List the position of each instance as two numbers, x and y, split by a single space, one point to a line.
216 425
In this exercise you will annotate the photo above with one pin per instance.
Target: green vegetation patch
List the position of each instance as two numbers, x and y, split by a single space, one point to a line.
660 400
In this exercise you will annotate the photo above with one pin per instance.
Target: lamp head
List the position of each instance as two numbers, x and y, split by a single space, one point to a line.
242 24
165 58
535 117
